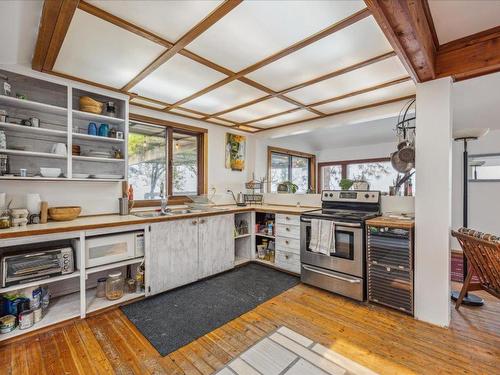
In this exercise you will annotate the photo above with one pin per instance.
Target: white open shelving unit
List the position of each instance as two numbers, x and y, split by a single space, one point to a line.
74 293
56 104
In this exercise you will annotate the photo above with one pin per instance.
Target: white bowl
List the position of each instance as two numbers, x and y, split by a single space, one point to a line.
50 172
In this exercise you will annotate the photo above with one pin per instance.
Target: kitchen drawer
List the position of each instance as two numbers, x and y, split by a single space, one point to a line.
287 260
288 231
288 244
288 219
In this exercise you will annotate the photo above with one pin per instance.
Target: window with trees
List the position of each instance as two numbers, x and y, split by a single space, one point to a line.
291 166
379 173
165 158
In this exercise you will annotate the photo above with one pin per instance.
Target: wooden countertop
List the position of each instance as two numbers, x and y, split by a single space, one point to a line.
391 222
103 221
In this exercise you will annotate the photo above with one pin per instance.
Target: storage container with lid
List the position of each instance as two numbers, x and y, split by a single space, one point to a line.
114 286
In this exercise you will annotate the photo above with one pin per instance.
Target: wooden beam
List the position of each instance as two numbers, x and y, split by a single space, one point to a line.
187 38
50 12
54 24
358 16
342 112
273 115
469 57
362 91
406 26
299 86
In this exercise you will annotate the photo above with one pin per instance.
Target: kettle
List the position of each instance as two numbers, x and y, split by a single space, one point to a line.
240 201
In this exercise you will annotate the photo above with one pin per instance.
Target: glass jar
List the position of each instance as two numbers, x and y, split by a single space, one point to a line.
101 287
114 286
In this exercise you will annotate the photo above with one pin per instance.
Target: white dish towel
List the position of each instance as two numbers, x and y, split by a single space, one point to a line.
322 236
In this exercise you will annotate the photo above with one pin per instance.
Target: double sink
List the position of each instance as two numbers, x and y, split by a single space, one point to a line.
182 211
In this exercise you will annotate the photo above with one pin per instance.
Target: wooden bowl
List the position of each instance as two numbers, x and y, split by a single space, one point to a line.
64 213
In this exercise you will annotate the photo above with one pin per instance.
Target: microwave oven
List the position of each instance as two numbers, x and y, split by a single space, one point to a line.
106 249
31 266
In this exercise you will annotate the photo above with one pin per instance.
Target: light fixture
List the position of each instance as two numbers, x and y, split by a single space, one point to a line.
466 135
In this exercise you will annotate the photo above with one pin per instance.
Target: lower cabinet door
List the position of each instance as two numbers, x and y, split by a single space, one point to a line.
216 245
174 254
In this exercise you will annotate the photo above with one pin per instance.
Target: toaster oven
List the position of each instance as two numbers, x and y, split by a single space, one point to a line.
25 267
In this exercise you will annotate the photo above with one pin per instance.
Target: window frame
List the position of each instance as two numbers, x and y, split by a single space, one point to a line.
283 151
202 141
344 164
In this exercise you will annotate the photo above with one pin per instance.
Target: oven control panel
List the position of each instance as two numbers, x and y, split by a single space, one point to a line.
362 196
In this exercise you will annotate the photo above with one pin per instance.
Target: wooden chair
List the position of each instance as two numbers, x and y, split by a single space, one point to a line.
483 255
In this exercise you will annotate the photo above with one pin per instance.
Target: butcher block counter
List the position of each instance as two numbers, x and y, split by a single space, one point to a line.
104 221
391 222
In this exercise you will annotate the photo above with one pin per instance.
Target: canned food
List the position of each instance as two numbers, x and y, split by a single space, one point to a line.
7 323
26 319
37 315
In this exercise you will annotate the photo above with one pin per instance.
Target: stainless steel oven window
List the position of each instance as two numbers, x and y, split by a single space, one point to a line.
344 242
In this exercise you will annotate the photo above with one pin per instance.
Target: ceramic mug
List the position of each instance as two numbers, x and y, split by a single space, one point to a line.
59 149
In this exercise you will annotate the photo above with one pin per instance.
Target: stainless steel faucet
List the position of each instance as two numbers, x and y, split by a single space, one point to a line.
163 200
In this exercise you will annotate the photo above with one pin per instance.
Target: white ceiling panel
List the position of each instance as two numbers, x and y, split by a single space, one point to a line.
358 42
99 51
225 97
187 113
301 114
178 78
168 19
146 102
455 19
371 75
255 30
387 93
261 109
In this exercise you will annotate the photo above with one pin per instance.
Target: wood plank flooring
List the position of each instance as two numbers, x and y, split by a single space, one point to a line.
381 339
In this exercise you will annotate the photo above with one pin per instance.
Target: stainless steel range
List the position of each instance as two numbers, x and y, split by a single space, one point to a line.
343 270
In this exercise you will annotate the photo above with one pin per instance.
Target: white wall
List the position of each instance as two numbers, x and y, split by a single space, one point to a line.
378 150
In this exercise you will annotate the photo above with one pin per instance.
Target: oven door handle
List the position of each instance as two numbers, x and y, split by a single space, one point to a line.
351 281
338 223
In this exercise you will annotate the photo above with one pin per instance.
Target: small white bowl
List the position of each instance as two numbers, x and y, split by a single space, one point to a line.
50 172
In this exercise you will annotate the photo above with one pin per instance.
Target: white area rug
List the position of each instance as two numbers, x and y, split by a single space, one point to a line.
287 352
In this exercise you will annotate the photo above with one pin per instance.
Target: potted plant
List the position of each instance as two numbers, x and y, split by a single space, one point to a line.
289 186
346 184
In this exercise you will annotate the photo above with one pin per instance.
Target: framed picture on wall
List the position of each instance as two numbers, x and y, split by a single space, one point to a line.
235 151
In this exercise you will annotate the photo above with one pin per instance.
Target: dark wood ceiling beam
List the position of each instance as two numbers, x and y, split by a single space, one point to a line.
341 112
406 26
54 23
469 57
358 16
187 38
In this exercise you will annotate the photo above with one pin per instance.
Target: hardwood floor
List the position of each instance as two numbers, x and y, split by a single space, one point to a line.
381 339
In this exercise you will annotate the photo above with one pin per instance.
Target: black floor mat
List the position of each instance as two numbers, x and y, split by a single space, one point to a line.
173 319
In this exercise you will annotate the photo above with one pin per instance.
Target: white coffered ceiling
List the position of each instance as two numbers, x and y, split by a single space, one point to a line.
259 65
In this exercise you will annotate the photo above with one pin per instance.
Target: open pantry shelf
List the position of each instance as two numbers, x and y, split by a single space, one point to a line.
95 304
102 160
87 116
264 235
33 153
60 309
40 282
113 265
31 105
96 138
32 130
